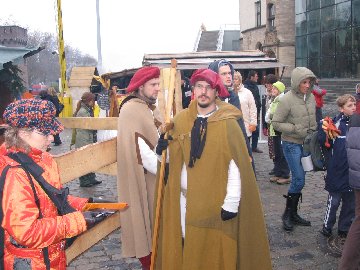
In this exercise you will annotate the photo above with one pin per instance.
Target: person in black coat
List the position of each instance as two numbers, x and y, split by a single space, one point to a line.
251 84
226 72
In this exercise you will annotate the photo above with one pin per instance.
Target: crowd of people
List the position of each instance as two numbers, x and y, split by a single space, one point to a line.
209 150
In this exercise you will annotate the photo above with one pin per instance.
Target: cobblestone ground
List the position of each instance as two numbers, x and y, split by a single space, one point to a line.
304 248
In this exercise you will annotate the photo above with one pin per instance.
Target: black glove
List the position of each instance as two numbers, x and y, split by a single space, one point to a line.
94 217
99 200
162 144
225 215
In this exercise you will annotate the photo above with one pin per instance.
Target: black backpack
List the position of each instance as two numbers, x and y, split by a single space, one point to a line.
319 153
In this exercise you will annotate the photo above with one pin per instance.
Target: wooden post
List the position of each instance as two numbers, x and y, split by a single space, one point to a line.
168 113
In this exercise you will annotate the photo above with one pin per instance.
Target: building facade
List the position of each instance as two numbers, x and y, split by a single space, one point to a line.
328 37
15 36
323 35
268 25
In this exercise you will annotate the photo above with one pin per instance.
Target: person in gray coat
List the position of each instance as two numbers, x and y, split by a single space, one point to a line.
85 108
350 258
295 118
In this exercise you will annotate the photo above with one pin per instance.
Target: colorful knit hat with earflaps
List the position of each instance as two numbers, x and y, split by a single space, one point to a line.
33 113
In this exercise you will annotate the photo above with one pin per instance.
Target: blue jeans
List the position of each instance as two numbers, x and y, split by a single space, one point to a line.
293 154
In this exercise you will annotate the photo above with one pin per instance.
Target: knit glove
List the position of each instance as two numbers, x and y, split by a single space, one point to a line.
94 217
226 215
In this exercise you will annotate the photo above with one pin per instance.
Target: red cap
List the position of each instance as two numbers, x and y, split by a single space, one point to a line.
141 76
211 78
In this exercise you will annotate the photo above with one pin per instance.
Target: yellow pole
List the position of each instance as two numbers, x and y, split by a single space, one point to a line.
65 97
62 60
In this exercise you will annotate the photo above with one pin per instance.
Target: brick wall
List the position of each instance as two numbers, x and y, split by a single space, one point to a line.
13 36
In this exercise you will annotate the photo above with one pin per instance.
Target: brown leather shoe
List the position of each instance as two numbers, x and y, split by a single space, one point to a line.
283 181
274 179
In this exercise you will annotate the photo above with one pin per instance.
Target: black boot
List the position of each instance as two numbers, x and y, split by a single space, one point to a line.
296 219
286 217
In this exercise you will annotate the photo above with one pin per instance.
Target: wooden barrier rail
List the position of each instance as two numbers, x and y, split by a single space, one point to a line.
98 157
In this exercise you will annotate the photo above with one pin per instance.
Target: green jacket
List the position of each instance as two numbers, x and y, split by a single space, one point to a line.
272 108
84 136
295 114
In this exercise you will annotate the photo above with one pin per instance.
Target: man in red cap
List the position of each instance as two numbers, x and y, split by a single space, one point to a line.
211 216
137 162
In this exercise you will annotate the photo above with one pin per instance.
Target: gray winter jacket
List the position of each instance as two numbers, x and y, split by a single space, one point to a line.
353 151
295 114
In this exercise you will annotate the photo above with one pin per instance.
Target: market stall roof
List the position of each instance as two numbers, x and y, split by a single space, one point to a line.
16 54
122 73
240 60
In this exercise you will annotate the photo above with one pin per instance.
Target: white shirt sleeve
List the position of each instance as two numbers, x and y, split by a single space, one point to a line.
148 156
233 190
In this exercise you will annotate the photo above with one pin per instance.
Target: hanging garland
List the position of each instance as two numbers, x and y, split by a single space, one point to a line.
10 77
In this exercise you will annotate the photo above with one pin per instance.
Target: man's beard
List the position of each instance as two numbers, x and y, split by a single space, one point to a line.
204 105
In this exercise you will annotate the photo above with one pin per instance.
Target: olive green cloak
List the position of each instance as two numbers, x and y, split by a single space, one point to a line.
210 243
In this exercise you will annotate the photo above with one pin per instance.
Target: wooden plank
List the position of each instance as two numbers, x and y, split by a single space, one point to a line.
162 94
86 159
109 170
92 236
178 93
95 123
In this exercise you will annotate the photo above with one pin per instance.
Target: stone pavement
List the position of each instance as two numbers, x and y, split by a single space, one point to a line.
304 248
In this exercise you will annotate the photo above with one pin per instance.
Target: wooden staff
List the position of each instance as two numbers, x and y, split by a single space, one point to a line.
159 200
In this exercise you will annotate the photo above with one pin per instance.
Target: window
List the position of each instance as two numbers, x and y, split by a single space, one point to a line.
271 16
343 14
328 43
327 36
356 10
313 19
300 6
300 24
258 13
328 18
313 4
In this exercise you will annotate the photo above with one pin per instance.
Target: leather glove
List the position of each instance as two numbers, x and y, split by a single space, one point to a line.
162 144
94 217
225 215
99 200
252 128
265 131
